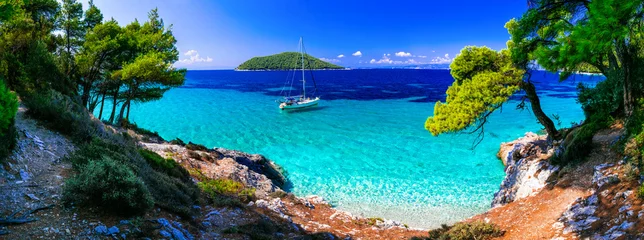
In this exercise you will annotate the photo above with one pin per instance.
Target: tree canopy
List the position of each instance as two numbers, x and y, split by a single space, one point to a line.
565 35
47 46
286 61
484 80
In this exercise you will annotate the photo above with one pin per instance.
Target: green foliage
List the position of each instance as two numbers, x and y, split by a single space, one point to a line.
640 191
374 220
223 189
8 139
110 185
155 160
61 113
602 101
566 36
146 133
8 108
484 80
171 189
286 61
577 144
466 231
221 186
166 165
196 147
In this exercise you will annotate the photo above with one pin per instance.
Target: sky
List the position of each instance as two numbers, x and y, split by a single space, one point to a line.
221 34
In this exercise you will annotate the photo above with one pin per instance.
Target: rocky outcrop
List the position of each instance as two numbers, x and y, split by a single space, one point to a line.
610 212
527 168
254 171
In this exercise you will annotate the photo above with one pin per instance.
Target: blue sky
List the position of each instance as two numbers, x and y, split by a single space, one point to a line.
224 33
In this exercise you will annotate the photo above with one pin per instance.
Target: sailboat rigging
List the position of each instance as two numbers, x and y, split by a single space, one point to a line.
301 101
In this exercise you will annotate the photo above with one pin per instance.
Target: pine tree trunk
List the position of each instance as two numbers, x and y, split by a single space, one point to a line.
100 112
115 98
128 111
535 103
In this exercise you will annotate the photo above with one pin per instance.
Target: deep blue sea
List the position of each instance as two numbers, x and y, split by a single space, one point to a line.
364 148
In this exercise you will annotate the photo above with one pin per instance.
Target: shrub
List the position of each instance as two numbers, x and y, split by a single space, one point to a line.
222 189
221 186
466 231
7 141
166 165
155 160
8 109
63 114
196 147
640 191
601 101
173 189
110 185
178 141
132 126
374 220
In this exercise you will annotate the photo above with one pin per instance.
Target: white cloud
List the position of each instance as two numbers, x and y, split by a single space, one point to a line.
388 54
194 58
341 56
357 54
403 54
442 60
333 60
422 56
190 53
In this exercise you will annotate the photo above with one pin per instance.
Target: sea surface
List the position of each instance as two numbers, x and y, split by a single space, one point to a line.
364 148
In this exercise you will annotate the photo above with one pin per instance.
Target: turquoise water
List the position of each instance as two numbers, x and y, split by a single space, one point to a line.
369 157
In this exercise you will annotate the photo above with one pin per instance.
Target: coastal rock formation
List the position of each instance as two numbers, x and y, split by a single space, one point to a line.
250 169
526 167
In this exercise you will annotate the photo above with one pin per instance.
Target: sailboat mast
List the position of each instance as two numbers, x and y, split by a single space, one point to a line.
303 79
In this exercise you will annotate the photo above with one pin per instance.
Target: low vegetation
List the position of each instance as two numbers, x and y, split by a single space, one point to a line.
111 185
465 231
219 189
8 109
286 61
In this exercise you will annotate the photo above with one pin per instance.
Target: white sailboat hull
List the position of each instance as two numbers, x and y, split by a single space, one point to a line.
300 104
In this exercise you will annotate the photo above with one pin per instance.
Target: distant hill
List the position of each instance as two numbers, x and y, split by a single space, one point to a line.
285 61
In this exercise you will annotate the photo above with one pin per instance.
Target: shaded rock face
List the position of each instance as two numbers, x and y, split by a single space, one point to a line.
252 170
256 163
526 167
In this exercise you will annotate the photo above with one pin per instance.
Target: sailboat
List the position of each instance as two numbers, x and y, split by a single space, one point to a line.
289 102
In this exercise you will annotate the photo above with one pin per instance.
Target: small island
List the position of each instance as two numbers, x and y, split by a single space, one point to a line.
286 61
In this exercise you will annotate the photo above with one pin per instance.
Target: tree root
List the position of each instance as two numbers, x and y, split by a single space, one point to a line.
20 220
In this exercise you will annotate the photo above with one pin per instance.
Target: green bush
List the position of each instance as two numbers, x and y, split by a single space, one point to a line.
63 114
223 189
173 190
155 160
466 231
110 185
8 109
601 101
166 165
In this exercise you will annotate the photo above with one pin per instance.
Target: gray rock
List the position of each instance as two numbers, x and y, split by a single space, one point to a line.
101 229
113 230
165 234
526 172
24 175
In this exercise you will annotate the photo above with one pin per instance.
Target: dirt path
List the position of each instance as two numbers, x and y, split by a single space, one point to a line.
535 217
32 177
